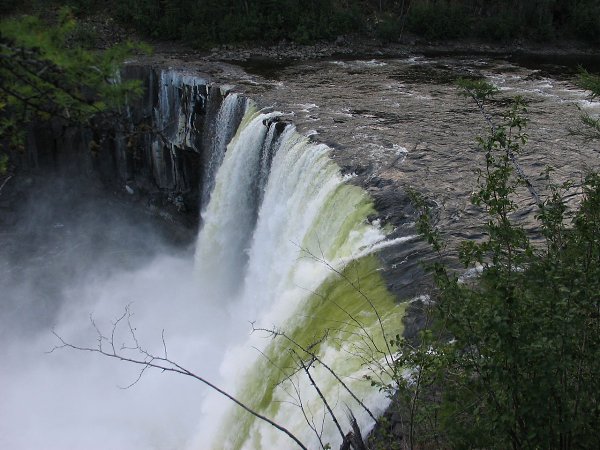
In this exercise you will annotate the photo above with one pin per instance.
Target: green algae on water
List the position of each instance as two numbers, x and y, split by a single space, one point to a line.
339 319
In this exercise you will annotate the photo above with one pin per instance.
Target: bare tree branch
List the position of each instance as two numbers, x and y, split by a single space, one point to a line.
306 368
148 360
309 351
4 182
353 319
310 421
358 290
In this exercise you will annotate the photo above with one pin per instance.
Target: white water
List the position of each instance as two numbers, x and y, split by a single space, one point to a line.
306 207
275 194
230 215
224 130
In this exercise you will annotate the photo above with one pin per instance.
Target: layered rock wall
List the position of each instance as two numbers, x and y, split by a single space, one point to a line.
157 149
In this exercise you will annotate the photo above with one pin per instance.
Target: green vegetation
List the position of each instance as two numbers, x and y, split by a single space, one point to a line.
591 123
208 22
205 23
500 20
211 21
45 76
513 357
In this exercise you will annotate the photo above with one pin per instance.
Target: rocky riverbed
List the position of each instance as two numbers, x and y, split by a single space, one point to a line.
398 120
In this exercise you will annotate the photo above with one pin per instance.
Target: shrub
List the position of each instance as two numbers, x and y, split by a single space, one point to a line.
522 369
584 21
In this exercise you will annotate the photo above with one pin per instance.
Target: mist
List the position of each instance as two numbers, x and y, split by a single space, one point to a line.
72 253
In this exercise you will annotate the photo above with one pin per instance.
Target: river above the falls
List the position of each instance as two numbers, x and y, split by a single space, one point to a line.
399 122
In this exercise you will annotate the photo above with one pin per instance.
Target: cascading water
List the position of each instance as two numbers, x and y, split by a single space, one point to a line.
231 214
281 223
232 106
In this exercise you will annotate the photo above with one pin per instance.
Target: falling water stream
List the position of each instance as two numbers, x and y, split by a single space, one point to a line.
280 222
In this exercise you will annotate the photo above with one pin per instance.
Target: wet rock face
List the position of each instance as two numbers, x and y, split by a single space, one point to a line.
153 151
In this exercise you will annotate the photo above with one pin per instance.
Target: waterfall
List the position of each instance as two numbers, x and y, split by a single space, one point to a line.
224 129
286 241
281 224
231 214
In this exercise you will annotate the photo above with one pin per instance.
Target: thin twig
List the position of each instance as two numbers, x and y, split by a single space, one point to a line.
313 355
162 363
306 368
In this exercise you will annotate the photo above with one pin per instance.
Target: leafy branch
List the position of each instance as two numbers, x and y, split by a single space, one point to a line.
44 77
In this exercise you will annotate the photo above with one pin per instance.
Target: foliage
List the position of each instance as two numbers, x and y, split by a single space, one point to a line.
590 82
439 20
591 123
499 27
513 358
208 22
584 20
3 163
44 76
389 28
501 20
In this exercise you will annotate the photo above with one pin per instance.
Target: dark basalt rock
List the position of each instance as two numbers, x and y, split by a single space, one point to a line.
137 154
